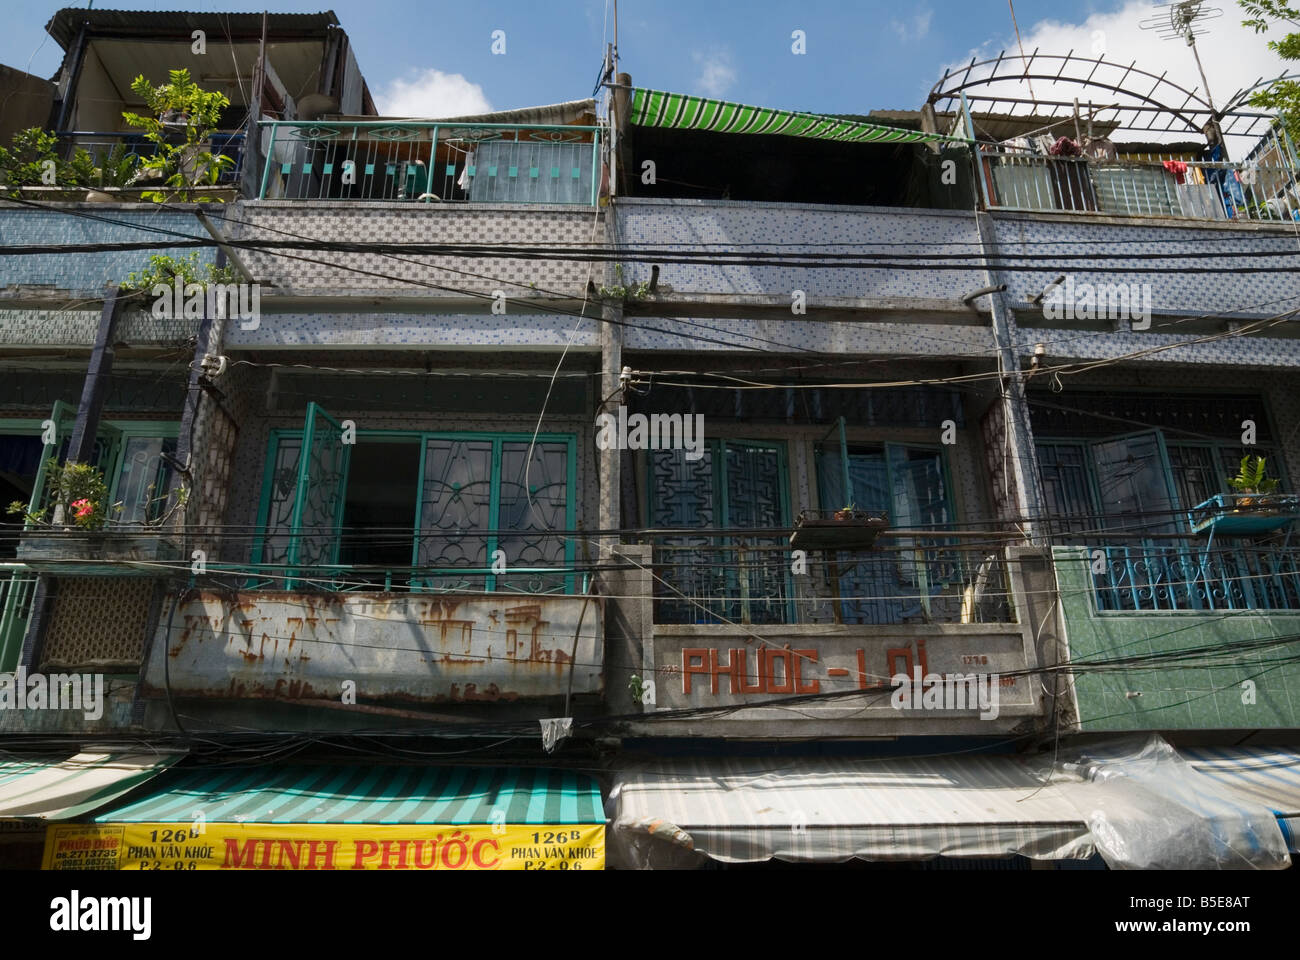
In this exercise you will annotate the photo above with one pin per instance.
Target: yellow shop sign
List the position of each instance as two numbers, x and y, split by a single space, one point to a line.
268 846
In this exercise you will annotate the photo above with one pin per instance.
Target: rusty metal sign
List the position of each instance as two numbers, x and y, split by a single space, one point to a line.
379 648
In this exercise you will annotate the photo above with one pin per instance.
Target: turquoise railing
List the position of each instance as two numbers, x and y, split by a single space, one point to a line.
431 162
1192 575
17 587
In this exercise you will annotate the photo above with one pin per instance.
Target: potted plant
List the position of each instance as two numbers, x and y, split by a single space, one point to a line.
31 167
1251 485
1254 506
181 120
77 523
847 528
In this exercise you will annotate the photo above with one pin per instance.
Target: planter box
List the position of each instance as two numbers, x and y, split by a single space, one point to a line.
73 551
826 530
1245 514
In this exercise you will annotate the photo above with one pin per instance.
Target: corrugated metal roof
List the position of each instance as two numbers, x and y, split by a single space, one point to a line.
571 111
63 26
357 794
61 788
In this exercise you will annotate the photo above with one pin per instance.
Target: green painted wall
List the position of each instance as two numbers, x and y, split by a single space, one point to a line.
1174 697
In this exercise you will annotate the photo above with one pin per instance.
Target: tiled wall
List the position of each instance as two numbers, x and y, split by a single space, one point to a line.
805 229
1180 699
357 273
515 328
1235 286
86 274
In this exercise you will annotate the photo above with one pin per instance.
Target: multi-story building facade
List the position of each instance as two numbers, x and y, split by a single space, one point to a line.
668 437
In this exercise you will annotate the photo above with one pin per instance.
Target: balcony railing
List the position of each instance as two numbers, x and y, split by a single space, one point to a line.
750 580
1174 188
100 144
431 162
372 578
1189 575
17 588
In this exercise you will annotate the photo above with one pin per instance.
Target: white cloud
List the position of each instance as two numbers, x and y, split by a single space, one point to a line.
432 94
717 72
1234 56
915 29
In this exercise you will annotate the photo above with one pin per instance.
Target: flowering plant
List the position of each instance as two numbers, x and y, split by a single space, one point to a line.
76 492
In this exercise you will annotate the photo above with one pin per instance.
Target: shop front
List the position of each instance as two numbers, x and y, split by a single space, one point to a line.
344 818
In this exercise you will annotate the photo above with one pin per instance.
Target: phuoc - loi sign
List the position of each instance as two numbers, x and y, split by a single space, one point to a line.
699 670
257 846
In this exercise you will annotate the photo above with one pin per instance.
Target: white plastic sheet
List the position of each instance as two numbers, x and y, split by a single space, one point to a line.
1148 809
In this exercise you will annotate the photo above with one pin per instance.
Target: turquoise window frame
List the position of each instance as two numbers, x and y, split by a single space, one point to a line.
12 625
1217 449
136 429
891 450
721 505
116 432
893 453
421 437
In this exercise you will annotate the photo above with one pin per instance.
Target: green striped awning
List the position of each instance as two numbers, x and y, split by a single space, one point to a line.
62 788
655 108
368 795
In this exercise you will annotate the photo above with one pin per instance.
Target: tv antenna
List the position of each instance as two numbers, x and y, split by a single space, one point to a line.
1183 21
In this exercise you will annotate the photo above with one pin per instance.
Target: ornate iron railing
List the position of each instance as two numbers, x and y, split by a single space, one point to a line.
1191 575
431 162
758 580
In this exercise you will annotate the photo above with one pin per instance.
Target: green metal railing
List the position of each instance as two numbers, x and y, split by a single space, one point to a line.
17 588
432 162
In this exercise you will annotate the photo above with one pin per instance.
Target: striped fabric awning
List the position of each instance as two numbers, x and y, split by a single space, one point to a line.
1269 776
807 810
60 789
368 795
349 817
655 108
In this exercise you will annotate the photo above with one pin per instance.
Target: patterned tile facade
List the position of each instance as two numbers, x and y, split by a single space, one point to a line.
86 274
1249 286
515 328
425 223
800 228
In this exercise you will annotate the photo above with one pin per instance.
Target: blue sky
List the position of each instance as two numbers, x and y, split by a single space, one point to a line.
861 54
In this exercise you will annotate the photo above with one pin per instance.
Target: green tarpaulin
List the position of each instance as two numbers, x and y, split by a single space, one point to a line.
655 108
359 794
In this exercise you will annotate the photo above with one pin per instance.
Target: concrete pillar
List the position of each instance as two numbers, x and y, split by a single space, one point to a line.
1023 464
